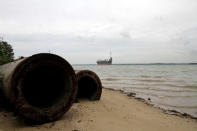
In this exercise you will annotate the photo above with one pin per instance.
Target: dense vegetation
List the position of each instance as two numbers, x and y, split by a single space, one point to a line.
6 53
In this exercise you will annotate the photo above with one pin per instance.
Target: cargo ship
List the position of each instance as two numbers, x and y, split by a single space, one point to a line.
105 62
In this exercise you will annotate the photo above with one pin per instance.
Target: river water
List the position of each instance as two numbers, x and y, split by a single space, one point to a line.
172 87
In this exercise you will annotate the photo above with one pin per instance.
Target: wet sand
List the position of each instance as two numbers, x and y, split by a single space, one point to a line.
115 112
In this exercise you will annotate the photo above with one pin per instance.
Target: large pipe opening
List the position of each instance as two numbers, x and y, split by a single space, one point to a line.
39 88
89 85
45 86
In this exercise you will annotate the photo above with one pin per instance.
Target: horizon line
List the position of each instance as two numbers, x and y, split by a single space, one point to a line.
188 63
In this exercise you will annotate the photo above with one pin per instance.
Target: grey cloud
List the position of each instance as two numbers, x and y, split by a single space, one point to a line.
125 34
136 31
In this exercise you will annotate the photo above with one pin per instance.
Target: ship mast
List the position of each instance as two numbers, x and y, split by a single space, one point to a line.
110 59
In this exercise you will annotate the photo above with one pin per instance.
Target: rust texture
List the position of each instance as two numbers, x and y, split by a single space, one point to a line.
39 88
89 85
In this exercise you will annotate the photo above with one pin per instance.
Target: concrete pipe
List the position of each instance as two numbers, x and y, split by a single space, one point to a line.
89 85
39 88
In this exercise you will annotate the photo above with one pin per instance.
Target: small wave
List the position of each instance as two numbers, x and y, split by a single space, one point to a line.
191 96
169 90
150 80
159 95
181 87
188 107
190 86
158 76
110 79
150 89
167 85
145 76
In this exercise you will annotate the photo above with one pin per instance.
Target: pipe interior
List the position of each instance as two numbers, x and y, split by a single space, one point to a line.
87 87
45 86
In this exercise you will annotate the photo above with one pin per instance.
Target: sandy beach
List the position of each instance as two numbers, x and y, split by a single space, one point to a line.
115 112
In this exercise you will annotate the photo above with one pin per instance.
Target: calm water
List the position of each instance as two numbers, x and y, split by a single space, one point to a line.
168 86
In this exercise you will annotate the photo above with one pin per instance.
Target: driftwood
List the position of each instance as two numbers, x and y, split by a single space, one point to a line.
39 88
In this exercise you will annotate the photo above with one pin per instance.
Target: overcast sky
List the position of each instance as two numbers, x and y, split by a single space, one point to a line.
82 31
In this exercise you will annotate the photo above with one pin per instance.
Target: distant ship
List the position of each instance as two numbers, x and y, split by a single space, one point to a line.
105 62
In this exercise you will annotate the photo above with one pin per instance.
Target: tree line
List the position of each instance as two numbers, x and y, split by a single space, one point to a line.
6 53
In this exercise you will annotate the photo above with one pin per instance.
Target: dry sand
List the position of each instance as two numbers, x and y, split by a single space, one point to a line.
114 112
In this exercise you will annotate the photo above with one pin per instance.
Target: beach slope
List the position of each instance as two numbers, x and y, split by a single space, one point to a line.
115 112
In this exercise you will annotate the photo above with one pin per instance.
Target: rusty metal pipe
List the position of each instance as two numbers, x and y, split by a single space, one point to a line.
89 85
39 88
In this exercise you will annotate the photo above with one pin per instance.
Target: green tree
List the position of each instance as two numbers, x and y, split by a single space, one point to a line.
6 53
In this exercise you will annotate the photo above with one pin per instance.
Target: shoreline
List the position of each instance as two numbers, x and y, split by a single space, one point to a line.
115 111
167 111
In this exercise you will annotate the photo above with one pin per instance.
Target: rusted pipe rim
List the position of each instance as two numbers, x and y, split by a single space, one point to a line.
90 80
56 100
